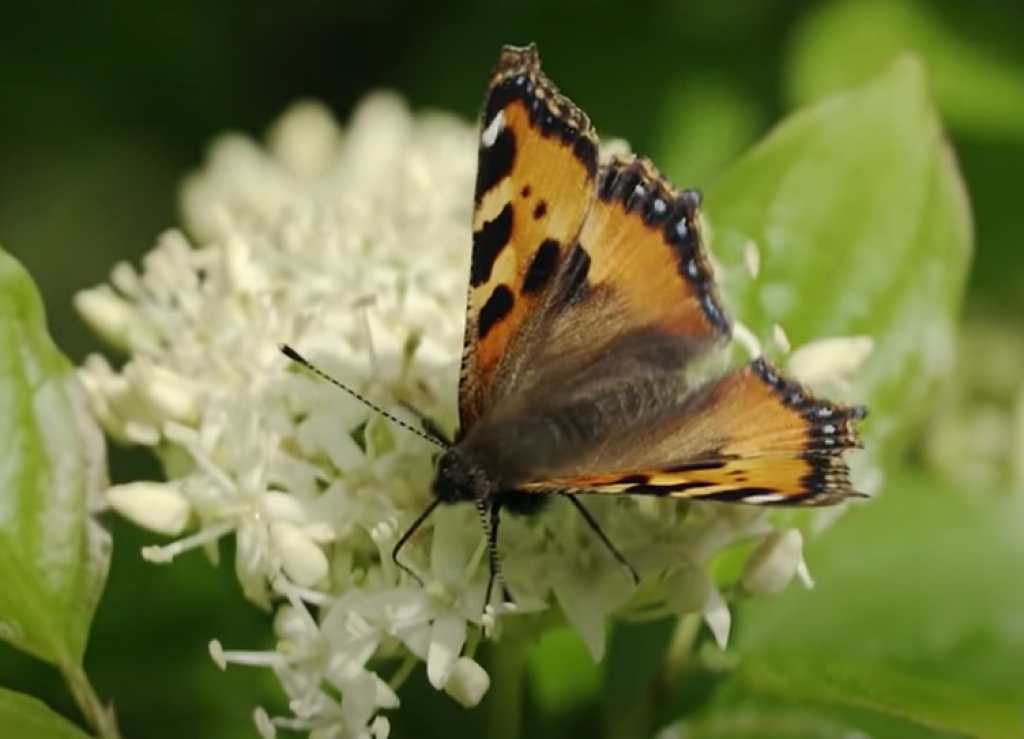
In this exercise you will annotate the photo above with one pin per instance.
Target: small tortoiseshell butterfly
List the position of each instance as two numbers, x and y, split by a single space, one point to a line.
590 293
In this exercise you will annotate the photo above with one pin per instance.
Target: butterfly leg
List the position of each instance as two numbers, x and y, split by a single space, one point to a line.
592 522
408 535
490 517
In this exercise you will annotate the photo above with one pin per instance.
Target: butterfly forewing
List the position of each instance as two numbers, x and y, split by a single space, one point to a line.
634 300
535 182
646 255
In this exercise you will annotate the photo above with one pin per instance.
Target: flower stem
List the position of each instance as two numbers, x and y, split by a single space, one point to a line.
680 650
508 673
100 718
638 719
402 673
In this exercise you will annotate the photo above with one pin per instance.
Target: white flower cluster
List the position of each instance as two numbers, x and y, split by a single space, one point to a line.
353 245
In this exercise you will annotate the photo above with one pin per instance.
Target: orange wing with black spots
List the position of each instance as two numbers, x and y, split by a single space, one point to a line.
637 291
535 182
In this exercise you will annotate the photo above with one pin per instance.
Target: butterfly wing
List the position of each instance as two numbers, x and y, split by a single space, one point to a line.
647 260
535 181
590 292
751 436
635 300
570 260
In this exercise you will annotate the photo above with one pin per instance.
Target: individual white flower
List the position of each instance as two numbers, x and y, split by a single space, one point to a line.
156 506
830 363
314 663
589 589
468 682
752 258
780 339
353 246
773 563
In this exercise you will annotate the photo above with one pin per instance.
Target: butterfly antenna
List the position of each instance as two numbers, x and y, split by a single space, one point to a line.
299 359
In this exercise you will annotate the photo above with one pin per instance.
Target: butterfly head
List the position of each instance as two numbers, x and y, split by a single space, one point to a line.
460 477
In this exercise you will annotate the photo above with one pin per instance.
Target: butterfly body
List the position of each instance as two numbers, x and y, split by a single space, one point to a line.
515 447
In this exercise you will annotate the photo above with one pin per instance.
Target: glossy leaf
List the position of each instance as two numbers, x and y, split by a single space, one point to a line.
922 585
53 555
772 717
25 717
926 579
821 680
857 210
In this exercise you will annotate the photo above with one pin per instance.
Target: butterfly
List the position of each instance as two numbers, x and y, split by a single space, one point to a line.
590 295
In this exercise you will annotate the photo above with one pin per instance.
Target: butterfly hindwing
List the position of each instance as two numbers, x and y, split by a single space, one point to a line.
751 436
535 182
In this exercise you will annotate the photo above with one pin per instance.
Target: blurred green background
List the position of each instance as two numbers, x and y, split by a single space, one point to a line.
107 105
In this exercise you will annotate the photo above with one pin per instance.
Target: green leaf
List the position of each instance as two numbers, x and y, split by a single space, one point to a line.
776 719
843 44
925 578
25 717
819 679
917 608
863 228
53 555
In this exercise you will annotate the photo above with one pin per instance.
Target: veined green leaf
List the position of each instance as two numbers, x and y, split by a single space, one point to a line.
25 717
857 210
925 579
818 679
53 555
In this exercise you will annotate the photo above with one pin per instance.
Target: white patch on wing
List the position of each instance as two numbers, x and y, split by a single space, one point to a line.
490 133
765 498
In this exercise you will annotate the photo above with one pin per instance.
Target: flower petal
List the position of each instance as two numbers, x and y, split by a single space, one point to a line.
718 618
446 639
157 506
301 559
468 682
773 563
588 597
